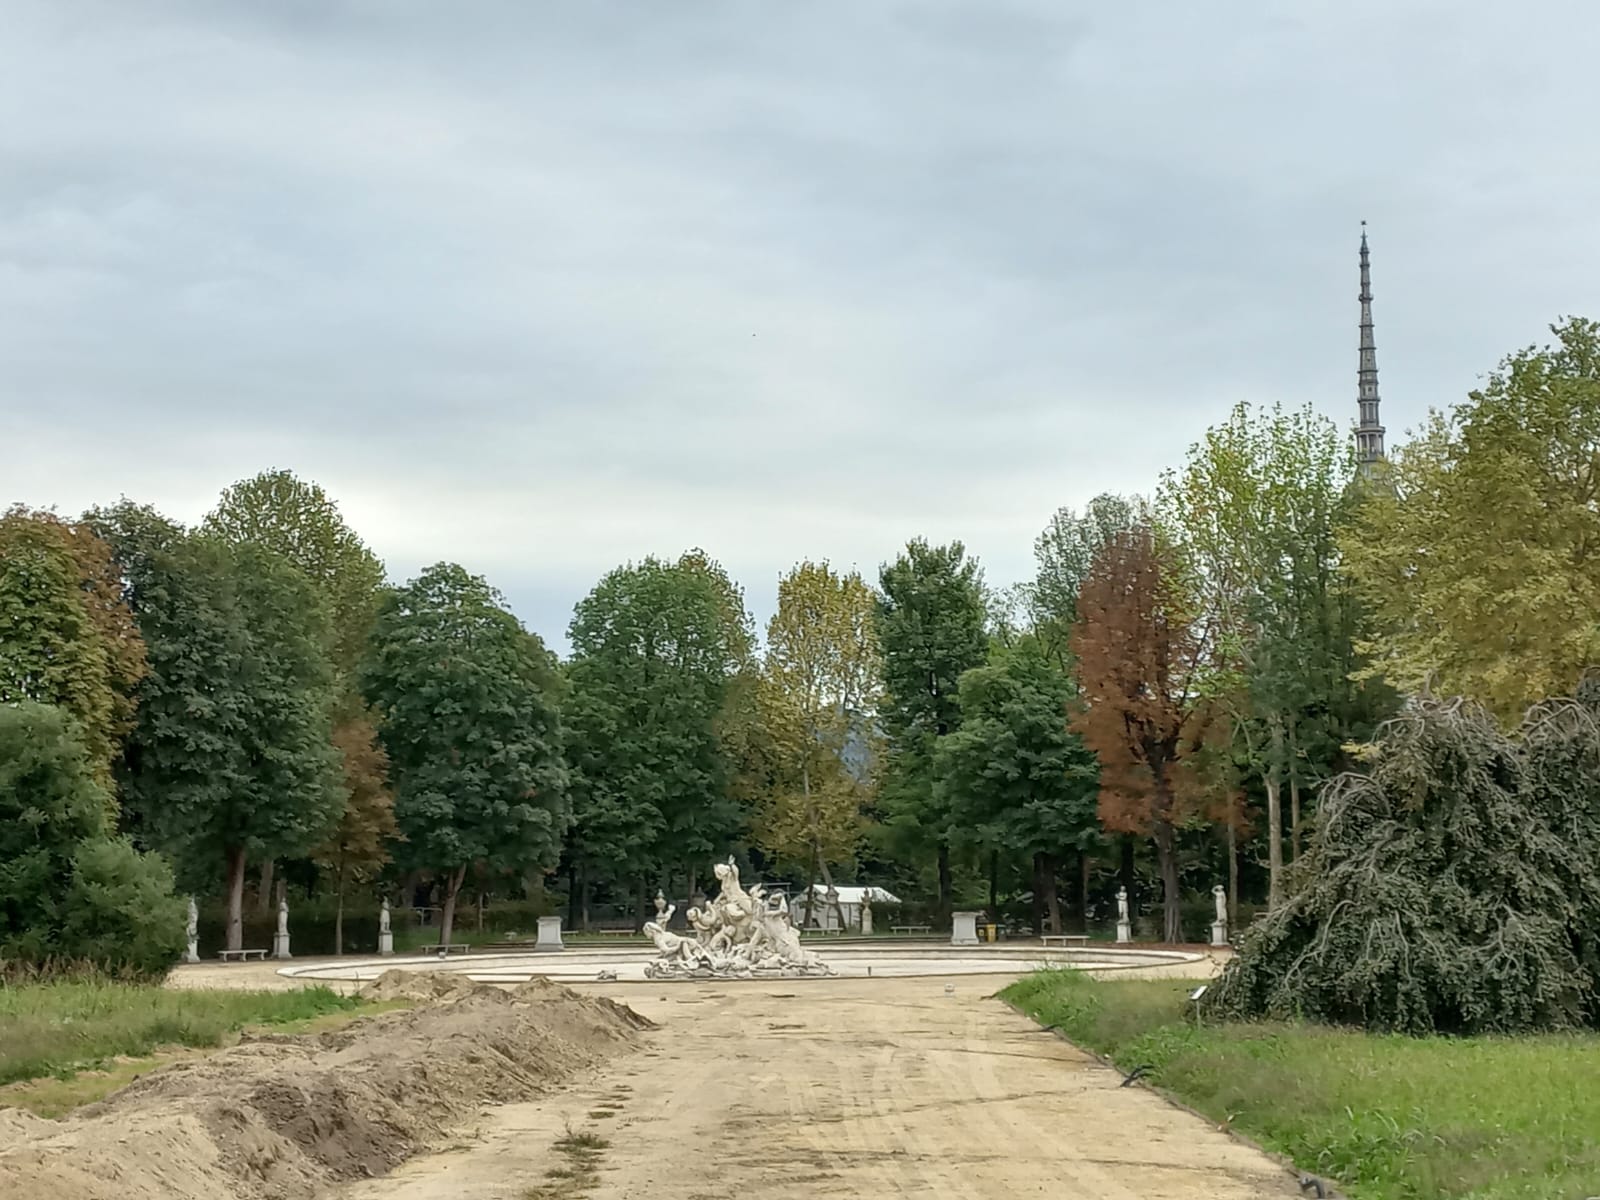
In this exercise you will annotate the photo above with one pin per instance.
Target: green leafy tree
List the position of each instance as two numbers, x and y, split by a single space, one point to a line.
66 636
1256 507
463 695
1064 552
299 521
68 891
231 759
931 625
1013 776
819 699
657 650
1491 511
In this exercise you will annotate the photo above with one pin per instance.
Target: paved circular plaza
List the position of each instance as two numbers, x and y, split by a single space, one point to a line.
847 962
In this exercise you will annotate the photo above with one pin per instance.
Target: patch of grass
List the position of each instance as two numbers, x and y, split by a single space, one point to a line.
1388 1117
579 1174
57 1029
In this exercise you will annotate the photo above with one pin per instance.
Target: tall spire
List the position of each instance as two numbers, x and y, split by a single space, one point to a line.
1369 433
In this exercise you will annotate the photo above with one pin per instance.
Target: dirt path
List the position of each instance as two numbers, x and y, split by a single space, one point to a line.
849 1088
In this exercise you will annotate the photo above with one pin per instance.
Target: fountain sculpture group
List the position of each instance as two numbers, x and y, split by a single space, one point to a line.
740 933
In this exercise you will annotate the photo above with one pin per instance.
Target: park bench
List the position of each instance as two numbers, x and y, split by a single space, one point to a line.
911 929
451 948
608 932
1066 939
242 955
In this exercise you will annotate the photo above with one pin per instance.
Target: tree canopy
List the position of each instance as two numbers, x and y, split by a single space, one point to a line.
466 717
231 757
931 629
1491 509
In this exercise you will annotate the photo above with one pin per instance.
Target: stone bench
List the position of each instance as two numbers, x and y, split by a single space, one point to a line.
242 955
1066 939
607 932
451 948
911 929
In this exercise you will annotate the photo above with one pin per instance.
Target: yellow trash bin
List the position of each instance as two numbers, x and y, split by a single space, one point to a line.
989 933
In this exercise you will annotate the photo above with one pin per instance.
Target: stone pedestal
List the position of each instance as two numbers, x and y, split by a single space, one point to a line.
964 932
866 918
386 943
549 935
1219 933
1124 932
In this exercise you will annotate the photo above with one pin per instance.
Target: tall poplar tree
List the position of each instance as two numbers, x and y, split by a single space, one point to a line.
819 699
931 629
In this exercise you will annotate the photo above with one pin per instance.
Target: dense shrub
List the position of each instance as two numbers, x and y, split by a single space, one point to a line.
1452 888
67 891
120 910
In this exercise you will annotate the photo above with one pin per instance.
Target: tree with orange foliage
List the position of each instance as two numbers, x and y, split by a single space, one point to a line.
1140 659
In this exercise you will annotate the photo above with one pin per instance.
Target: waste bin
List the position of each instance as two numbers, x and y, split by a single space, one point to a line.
989 933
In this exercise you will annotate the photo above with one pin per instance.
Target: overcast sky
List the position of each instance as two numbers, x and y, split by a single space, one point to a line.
545 287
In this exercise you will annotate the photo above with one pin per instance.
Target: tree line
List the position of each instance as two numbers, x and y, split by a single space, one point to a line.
1159 706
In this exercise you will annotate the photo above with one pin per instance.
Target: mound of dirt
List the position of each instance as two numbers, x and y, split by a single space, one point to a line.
280 1118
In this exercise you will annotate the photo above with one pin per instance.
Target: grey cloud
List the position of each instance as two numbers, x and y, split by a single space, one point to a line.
545 287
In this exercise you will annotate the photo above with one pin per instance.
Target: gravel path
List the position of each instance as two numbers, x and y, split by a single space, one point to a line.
845 1088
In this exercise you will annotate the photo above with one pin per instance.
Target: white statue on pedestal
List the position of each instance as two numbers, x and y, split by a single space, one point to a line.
1219 927
385 932
1124 924
280 942
192 932
739 933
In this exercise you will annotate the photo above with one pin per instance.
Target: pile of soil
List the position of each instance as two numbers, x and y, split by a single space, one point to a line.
281 1117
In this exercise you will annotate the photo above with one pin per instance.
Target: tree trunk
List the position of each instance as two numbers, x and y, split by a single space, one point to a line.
1294 794
1233 869
1046 890
264 888
1165 839
994 886
452 890
1274 782
1083 891
583 899
945 888
338 909
1038 894
640 900
235 864
811 917
572 896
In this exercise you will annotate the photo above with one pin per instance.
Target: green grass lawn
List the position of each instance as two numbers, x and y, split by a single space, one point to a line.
57 1029
1389 1118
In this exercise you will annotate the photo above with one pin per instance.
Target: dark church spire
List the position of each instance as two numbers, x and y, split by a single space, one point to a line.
1369 432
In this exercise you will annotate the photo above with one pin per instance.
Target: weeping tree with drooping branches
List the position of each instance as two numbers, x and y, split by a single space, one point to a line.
1451 888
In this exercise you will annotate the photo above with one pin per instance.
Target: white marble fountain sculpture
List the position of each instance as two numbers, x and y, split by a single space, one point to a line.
740 933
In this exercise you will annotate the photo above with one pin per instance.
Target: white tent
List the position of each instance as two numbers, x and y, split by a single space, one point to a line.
850 898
